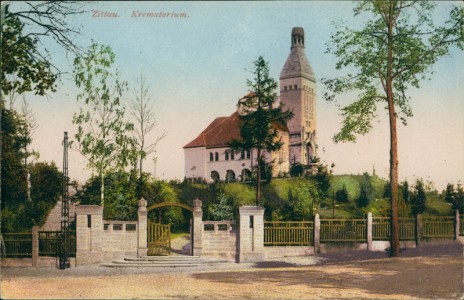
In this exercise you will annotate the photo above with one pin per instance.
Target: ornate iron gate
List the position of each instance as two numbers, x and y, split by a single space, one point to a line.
159 238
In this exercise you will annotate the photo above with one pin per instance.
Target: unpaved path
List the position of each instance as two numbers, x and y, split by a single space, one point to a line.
427 272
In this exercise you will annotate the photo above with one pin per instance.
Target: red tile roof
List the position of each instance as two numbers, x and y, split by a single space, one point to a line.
221 131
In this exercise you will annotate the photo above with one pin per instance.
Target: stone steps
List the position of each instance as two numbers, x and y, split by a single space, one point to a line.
53 222
174 261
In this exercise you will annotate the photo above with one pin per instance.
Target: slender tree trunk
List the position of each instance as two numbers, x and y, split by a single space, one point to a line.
102 189
258 184
395 241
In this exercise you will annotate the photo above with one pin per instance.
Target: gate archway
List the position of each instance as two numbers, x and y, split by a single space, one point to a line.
159 235
163 204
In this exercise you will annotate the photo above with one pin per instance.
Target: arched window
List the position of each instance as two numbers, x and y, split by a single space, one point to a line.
211 156
215 176
232 154
227 155
246 175
230 176
216 156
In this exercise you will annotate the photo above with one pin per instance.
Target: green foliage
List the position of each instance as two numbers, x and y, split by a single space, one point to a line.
240 194
222 210
102 132
18 213
322 178
417 45
26 63
46 190
120 198
455 197
23 68
290 199
163 191
296 170
260 119
351 183
405 192
341 196
14 141
418 198
366 194
120 201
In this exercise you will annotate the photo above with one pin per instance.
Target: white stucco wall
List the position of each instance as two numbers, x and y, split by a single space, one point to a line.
199 165
195 159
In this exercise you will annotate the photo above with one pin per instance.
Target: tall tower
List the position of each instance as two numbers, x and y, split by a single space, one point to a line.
298 93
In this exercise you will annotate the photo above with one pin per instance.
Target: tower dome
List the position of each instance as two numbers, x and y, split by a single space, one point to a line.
297 65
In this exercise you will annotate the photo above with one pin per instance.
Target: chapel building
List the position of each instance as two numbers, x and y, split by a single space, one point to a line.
208 155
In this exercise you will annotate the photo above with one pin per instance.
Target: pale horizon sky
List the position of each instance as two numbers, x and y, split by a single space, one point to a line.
197 68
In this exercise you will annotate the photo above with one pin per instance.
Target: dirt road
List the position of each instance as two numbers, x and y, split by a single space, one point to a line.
427 272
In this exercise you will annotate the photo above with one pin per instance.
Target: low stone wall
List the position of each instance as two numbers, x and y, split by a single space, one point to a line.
120 236
27 262
99 240
219 239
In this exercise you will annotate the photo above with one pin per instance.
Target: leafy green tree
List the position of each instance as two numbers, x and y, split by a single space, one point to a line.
222 210
103 134
418 198
46 189
366 194
120 199
13 172
363 199
322 178
405 191
301 202
450 193
392 52
459 199
27 28
455 197
260 117
341 196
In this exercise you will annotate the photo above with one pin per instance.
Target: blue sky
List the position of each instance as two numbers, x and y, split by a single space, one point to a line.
197 69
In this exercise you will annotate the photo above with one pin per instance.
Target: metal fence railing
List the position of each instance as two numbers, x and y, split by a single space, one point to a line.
49 241
343 230
18 244
291 233
407 229
438 227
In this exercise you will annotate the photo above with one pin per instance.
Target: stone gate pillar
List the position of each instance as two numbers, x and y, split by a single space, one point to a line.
197 240
142 249
89 234
251 234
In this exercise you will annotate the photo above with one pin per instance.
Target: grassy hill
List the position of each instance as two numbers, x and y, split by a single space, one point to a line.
280 198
